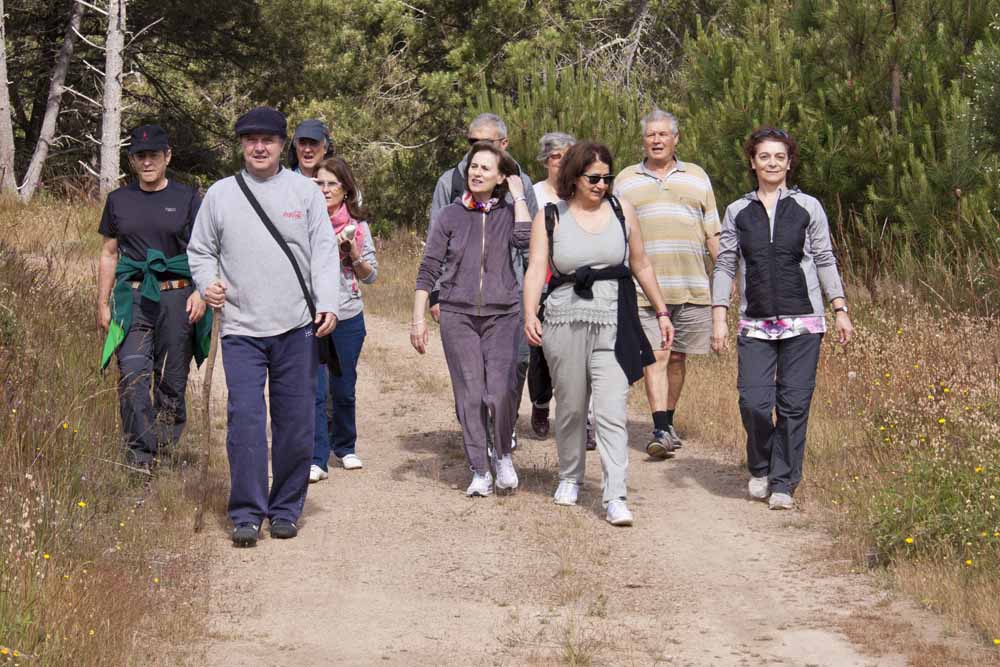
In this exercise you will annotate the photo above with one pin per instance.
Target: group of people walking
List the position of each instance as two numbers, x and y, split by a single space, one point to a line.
530 283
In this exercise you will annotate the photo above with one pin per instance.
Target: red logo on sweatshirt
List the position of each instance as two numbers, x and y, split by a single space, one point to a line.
293 215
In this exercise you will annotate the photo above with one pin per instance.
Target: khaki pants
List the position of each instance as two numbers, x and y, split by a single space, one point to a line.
582 362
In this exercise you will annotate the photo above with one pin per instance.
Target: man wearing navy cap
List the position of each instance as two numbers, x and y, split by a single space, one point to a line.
267 331
310 146
146 301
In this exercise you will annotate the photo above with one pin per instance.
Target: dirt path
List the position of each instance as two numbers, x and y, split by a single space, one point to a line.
394 565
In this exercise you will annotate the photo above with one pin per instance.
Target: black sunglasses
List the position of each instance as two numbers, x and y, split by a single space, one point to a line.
594 179
473 141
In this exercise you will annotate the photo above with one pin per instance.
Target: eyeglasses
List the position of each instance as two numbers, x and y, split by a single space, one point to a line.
594 179
769 132
327 184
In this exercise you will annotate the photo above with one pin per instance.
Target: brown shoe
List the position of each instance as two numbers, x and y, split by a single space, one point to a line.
540 421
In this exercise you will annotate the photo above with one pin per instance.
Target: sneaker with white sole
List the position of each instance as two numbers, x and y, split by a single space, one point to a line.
781 501
660 446
506 474
567 492
675 439
757 487
482 485
351 462
619 514
316 474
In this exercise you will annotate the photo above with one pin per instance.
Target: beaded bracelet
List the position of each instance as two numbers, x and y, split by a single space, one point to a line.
663 313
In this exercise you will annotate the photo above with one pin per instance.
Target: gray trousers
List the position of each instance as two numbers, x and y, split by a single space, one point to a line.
482 355
776 379
582 363
153 363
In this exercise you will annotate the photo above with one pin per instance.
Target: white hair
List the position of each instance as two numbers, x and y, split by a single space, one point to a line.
490 119
658 115
552 142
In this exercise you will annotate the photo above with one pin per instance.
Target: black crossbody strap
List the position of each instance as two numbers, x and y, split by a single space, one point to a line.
281 242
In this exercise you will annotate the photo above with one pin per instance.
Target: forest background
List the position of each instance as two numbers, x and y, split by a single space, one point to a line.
896 104
896 107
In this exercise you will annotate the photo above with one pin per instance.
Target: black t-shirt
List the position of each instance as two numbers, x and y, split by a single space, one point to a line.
160 220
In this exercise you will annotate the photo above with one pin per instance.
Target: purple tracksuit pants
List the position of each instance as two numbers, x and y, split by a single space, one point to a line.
288 363
481 351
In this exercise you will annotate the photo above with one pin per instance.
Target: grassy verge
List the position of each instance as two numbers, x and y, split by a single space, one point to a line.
903 459
96 566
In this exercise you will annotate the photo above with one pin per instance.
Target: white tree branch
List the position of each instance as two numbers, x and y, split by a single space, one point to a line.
136 35
80 35
94 7
88 168
69 89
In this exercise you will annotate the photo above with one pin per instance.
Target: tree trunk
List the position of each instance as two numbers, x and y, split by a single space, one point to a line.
7 181
34 172
111 121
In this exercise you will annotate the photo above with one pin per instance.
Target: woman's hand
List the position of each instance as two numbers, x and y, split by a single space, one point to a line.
195 307
720 335
515 185
533 330
419 336
350 246
666 332
103 316
845 330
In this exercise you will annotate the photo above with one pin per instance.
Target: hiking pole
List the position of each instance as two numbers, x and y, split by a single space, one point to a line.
206 393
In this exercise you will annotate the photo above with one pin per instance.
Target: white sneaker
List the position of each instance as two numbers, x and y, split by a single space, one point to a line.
781 501
482 485
506 475
757 488
316 474
351 462
567 492
619 514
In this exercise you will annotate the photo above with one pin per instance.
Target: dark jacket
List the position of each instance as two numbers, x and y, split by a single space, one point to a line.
470 252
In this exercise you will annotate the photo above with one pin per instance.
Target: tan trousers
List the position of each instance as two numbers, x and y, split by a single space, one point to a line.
582 362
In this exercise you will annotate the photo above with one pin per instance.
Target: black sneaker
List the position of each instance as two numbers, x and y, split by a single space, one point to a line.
283 529
245 535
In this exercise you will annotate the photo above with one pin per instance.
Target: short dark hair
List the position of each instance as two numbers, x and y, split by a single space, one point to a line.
339 168
506 165
575 163
768 133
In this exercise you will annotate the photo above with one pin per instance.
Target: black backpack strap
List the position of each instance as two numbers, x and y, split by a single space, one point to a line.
457 184
616 206
281 242
551 218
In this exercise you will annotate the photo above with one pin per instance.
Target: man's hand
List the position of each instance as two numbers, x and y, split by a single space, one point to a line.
844 327
325 323
215 295
195 307
436 312
533 330
103 316
666 332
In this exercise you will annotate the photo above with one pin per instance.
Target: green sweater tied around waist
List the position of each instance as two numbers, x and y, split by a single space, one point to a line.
150 273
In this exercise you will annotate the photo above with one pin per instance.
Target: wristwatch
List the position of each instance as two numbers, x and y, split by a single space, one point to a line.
841 309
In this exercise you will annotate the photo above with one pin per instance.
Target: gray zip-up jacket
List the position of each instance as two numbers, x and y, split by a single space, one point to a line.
230 243
470 251
785 265
350 298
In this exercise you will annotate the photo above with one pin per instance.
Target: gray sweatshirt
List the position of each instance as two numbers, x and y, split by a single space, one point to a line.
230 243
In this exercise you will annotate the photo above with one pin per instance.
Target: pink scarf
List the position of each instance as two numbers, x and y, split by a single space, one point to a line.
469 202
340 219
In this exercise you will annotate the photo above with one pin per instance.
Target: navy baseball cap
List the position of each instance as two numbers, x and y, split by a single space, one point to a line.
148 138
262 120
312 129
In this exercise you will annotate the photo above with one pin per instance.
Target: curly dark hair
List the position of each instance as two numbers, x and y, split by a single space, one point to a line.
339 168
575 163
767 133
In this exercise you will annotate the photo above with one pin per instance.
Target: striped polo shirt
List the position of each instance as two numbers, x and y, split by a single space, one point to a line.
677 215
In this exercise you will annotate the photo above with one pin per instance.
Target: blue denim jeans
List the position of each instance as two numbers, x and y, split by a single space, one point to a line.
349 337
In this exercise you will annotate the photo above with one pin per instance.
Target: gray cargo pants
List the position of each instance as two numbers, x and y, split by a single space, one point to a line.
153 363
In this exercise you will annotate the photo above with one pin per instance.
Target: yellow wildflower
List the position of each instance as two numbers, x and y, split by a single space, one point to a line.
946 390
65 426
81 504
4 650
979 468
45 556
91 632
996 642
968 561
156 580
941 420
909 540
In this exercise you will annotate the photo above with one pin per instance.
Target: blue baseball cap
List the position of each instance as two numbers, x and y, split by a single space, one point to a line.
262 120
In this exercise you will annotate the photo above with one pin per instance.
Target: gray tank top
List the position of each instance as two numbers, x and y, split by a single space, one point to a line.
574 247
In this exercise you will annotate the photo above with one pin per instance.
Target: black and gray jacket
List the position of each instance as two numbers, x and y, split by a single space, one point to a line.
784 270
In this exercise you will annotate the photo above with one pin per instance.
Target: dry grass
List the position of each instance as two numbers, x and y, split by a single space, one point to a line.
97 566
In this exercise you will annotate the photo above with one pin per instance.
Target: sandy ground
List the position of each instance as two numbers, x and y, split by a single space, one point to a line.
394 565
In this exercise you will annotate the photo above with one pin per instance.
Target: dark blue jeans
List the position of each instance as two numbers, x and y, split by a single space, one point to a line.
288 363
349 336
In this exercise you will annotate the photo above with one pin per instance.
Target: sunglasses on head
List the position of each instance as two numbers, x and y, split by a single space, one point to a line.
769 132
594 179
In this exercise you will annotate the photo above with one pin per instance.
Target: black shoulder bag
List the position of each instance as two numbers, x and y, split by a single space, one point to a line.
327 348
